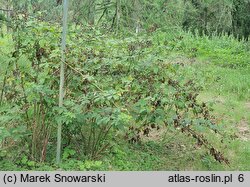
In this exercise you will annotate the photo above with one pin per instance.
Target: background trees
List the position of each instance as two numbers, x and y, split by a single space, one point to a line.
209 17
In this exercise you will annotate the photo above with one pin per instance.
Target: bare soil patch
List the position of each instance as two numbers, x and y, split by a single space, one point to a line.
244 132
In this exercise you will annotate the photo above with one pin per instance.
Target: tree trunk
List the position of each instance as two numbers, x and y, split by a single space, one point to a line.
136 16
8 15
118 14
91 12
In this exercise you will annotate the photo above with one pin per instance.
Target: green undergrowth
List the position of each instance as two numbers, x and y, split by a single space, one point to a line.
173 152
218 64
223 50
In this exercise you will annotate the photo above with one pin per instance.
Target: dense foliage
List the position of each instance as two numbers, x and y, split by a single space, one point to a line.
123 78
